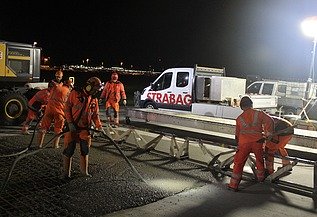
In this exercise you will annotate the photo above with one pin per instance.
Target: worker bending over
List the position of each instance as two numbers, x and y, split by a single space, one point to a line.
36 107
283 132
112 94
81 111
250 126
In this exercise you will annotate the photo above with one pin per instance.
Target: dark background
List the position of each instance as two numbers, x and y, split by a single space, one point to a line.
245 36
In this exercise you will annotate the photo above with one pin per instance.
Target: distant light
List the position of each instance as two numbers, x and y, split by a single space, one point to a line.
309 26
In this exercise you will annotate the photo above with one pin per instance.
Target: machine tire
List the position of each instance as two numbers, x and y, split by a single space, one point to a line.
150 105
290 111
13 108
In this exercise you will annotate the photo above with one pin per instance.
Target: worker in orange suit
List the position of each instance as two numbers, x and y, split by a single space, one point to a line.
36 107
283 132
112 94
82 110
54 112
250 127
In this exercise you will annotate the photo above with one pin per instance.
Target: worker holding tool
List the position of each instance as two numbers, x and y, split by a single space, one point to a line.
283 132
36 107
250 126
54 112
82 110
112 94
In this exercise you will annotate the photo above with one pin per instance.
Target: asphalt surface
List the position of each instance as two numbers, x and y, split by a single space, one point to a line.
171 188
36 188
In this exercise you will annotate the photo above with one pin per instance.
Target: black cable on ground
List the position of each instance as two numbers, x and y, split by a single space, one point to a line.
121 152
23 155
30 144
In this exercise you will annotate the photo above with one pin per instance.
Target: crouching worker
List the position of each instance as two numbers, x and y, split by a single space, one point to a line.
250 126
283 132
81 110
36 107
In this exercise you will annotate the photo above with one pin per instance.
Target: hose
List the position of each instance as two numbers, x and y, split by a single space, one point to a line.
121 152
22 155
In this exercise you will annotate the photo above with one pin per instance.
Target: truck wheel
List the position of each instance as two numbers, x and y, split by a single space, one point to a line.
150 105
290 111
13 108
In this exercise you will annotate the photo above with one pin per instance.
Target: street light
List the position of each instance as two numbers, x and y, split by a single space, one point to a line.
309 28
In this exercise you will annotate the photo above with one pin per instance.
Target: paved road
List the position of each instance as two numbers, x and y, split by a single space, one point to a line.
172 188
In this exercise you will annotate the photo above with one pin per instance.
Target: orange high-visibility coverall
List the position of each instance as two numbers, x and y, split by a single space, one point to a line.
250 126
36 103
112 93
55 109
81 110
283 132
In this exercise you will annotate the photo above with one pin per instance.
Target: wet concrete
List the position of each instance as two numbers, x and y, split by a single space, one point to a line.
36 187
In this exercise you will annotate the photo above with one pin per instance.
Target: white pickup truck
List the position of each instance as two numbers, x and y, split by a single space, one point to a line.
200 90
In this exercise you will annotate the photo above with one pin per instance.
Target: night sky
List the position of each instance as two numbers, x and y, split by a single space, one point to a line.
259 37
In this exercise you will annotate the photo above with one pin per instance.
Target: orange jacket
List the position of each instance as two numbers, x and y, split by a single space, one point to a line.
283 132
82 109
251 125
39 99
57 100
113 91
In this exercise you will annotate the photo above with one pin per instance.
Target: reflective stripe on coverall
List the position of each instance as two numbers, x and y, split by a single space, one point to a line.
250 126
283 138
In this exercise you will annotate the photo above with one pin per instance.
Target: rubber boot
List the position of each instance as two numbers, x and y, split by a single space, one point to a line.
116 122
56 142
110 120
41 137
67 165
84 166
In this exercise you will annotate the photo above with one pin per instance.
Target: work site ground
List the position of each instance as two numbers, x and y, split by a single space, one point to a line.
171 188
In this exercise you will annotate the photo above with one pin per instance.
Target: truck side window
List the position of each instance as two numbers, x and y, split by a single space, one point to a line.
268 89
182 79
254 88
281 89
163 82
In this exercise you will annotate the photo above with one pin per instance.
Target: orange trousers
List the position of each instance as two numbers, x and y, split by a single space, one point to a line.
240 159
272 148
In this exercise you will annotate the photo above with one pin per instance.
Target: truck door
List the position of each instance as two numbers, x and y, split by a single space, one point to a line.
161 91
182 91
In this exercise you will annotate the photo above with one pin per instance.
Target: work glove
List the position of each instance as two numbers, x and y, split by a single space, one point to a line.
71 127
124 102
